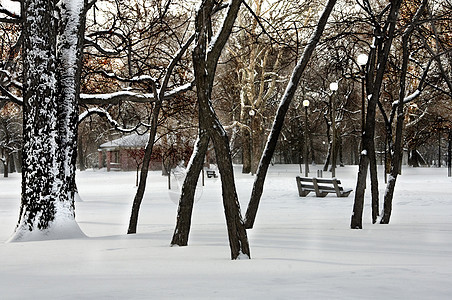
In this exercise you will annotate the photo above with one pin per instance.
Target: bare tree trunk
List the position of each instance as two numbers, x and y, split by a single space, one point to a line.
374 182
328 135
205 63
374 85
159 95
256 142
184 212
246 151
280 115
144 171
5 162
51 67
398 149
81 156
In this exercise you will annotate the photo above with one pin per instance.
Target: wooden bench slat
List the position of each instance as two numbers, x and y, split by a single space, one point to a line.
321 190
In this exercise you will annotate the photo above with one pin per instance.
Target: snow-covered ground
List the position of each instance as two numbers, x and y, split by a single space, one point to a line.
300 247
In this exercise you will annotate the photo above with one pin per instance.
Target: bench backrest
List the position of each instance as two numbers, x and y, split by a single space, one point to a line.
320 180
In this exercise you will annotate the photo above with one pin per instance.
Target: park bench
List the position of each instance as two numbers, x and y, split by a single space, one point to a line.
321 187
211 174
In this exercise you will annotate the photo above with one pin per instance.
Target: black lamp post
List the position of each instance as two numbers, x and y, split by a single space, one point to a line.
306 164
362 61
333 87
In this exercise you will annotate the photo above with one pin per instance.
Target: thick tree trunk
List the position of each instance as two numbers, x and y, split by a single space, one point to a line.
280 116
184 212
39 180
52 52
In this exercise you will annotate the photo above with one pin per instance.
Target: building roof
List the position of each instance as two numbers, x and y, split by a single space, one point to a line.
129 141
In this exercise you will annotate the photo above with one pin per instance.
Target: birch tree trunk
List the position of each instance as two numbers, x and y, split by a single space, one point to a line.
69 53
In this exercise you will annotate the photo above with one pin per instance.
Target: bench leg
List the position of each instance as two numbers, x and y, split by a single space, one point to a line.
345 194
320 194
303 193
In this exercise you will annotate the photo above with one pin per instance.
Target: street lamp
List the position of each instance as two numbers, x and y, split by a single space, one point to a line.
306 165
362 61
333 87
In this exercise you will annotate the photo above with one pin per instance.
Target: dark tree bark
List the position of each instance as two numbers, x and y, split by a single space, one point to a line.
51 67
40 117
6 165
205 62
159 97
280 115
184 212
374 183
81 156
328 136
246 150
398 147
374 82
133 222
257 135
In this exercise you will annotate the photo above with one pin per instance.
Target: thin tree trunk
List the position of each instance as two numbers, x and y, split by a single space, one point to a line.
328 134
398 149
144 171
369 130
246 151
205 63
256 143
81 156
159 95
70 62
374 182
311 146
6 165
280 116
186 201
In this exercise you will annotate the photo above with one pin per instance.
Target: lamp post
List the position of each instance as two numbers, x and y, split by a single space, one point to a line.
362 61
252 135
449 154
333 87
306 165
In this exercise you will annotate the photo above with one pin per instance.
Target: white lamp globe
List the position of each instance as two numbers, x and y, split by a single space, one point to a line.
334 86
362 59
306 103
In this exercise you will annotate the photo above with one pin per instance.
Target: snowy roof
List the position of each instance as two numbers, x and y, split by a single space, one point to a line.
134 140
